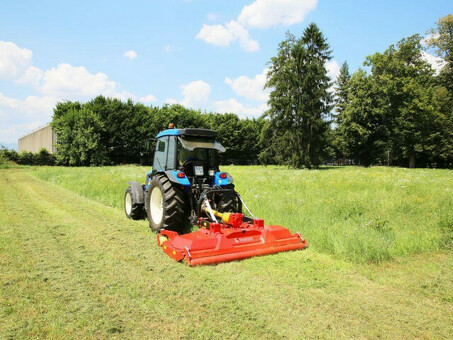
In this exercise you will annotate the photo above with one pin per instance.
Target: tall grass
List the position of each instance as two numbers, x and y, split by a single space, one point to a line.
358 214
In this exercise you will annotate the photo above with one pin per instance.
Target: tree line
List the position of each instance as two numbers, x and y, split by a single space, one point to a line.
396 110
107 131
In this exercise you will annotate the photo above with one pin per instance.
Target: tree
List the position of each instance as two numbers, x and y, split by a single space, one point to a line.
441 38
78 135
125 129
299 100
342 90
392 113
363 127
406 81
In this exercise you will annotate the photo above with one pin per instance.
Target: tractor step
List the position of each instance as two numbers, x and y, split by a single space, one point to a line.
220 242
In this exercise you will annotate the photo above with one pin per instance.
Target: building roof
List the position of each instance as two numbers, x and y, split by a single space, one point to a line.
37 129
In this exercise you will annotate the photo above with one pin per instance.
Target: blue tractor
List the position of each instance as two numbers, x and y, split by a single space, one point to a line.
185 174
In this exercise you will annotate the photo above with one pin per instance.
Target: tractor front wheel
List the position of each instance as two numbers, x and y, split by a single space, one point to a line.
165 205
132 209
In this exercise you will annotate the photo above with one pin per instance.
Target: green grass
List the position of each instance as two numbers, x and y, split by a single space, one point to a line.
72 267
357 214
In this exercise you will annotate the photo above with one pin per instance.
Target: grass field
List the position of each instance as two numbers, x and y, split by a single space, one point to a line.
353 213
380 261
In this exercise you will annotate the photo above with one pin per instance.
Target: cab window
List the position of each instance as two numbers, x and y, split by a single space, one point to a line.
160 156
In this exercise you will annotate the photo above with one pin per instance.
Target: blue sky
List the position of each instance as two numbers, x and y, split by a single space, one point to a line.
210 55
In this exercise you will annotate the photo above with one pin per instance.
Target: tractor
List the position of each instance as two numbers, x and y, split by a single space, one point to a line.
186 187
185 170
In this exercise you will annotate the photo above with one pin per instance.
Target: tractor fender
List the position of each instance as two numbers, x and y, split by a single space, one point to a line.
172 175
137 192
223 181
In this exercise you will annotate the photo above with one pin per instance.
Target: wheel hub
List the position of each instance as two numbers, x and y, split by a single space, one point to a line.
128 203
156 205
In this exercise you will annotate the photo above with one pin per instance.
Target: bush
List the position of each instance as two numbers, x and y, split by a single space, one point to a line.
27 158
9 155
4 163
43 157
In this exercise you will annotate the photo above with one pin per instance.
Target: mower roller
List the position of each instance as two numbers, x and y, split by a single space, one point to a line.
187 188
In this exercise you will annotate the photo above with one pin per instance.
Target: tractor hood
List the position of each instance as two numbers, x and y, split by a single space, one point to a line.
194 142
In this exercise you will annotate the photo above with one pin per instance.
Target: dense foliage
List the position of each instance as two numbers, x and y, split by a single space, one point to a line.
43 157
399 112
110 131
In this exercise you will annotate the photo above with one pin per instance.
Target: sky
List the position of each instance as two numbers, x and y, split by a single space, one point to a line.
208 55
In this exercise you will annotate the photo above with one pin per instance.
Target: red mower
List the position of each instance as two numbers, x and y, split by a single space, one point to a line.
187 188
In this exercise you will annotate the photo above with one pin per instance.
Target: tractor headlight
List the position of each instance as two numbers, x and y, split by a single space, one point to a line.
198 170
211 173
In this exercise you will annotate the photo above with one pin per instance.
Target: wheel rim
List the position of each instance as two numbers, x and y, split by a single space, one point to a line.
128 203
157 205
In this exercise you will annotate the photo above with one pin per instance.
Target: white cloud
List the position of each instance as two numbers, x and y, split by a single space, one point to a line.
259 14
18 116
333 69
130 54
267 13
171 101
11 134
39 106
241 34
63 82
147 99
216 35
224 35
233 106
13 60
8 102
437 63
250 88
196 93
34 106
69 82
31 77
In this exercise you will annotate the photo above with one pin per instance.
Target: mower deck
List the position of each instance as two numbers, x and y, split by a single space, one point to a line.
222 242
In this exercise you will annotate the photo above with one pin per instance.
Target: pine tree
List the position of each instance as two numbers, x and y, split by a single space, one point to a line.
342 99
341 92
299 102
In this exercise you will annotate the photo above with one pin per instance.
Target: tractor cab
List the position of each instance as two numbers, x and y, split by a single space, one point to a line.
190 157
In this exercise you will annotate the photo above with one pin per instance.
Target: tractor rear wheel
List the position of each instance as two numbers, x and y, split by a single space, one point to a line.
228 202
165 205
132 209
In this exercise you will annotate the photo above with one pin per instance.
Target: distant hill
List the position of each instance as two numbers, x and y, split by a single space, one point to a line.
11 146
